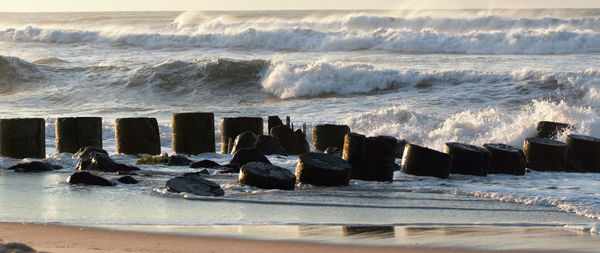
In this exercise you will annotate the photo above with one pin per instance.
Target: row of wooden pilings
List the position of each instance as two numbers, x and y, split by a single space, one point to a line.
192 133
371 157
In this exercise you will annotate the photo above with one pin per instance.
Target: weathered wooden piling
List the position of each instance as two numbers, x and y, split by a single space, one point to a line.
505 159
584 153
468 159
77 132
545 154
549 129
193 133
232 127
378 155
137 136
23 138
287 139
273 121
422 161
329 135
322 169
352 152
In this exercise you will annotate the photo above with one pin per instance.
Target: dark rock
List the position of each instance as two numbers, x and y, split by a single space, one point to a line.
506 159
334 151
545 154
193 133
15 247
268 145
178 160
195 184
88 179
548 129
267 176
127 180
232 127
228 168
244 140
273 121
468 159
204 172
583 153
247 155
328 135
86 151
102 162
35 167
204 164
378 156
322 169
422 161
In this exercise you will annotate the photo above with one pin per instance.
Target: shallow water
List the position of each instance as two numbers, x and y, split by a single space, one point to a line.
473 76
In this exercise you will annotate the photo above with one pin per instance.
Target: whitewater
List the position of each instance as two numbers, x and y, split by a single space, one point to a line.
429 77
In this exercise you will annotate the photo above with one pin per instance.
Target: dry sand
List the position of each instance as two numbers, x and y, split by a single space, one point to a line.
58 238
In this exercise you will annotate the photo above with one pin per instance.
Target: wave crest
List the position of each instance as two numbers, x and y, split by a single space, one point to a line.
14 70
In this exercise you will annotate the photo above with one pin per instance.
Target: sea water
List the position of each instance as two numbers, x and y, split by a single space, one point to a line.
430 77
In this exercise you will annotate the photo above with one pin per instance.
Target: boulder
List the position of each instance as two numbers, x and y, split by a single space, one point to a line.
23 138
505 159
548 129
583 153
102 162
35 167
127 180
545 154
77 132
247 155
88 179
468 159
268 145
193 133
422 161
322 169
329 135
204 164
232 127
86 151
137 136
244 140
195 184
267 176
334 151
177 160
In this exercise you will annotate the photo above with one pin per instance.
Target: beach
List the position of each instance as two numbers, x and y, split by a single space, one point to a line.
428 77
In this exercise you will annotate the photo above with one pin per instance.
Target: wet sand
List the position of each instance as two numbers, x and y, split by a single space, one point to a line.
59 238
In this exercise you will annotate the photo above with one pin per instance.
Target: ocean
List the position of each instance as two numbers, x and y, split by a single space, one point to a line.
427 76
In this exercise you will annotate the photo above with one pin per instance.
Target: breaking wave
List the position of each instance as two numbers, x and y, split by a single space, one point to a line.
14 70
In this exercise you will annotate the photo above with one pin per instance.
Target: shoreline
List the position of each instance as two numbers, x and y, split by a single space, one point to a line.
67 238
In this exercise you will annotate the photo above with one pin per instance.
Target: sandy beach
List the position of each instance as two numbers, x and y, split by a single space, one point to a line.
58 238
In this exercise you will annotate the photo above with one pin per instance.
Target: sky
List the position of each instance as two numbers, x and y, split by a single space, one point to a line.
163 5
